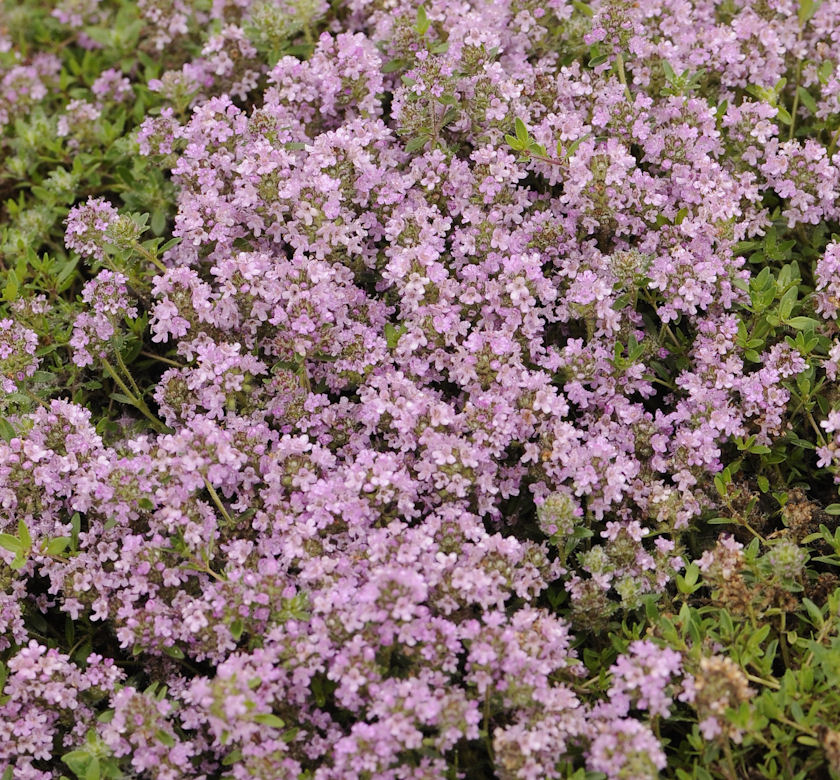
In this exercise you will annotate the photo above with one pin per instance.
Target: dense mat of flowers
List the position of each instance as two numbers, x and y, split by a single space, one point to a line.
397 391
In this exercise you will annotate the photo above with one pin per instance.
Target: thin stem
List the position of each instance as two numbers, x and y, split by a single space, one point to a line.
816 427
732 773
124 369
741 520
487 724
794 725
795 104
35 398
796 86
136 402
549 160
150 257
752 530
783 644
307 33
161 359
666 329
833 143
761 681
591 681
663 383
622 75
217 501
303 375
205 569
823 633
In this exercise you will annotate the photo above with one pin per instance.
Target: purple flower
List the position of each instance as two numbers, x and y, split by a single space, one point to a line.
87 224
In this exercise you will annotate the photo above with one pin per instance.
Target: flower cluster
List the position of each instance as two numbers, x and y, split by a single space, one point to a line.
17 354
46 697
388 454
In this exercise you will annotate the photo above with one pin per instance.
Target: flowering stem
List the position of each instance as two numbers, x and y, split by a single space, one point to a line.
795 725
783 645
124 369
35 398
204 568
549 160
816 427
833 143
732 773
487 724
761 681
622 75
149 256
796 85
217 501
161 359
823 633
138 403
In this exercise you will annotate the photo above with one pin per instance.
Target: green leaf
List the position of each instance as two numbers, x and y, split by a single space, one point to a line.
692 572
514 143
25 537
521 131
232 757
422 24
393 334
787 302
575 144
58 545
123 399
803 323
174 652
236 629
832 509
11 543
158 222
807 99
807 8
165 738
416 144
93 769
76 527
394 65
77 760
65 276
269 719
763 483
583 8
450 116
7 433
814 612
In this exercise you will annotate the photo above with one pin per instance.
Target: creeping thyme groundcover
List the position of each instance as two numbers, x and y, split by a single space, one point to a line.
395 391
